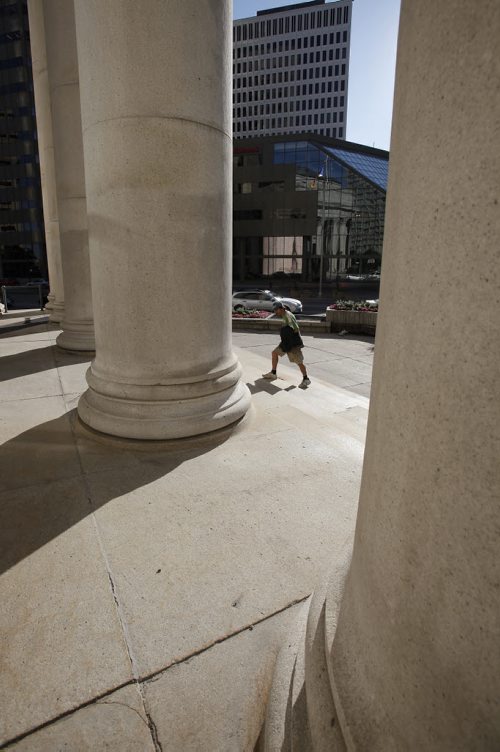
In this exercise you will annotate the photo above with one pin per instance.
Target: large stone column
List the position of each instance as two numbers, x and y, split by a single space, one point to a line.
156 107
46 153
411 661
62 63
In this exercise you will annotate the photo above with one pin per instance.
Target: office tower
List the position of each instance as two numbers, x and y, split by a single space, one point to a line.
291 70
22 241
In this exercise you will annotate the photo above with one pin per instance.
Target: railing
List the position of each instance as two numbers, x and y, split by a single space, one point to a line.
15 288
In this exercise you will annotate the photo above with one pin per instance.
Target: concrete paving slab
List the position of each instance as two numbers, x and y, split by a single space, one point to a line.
71 400
27 370
117 722
201 538
35 333
348 346
9 347
311 399
253 339
72 368
343 373
37 443
190 705
334 370
62 641
338 346
217 524
363 389
311 355
98 455
338 433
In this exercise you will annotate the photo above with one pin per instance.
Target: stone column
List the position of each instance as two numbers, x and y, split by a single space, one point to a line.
411 661
156 102
46 154
62 63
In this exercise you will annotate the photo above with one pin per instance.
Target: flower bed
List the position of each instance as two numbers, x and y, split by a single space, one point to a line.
246 313
359 317
354 305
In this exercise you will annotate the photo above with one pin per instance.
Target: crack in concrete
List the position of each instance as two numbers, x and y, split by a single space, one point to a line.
119 612
65 714
155 675
125 705
151 724
99 699
29 399
154 732
148 721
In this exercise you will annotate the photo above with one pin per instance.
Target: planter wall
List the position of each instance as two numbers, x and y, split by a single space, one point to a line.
274 325
361 322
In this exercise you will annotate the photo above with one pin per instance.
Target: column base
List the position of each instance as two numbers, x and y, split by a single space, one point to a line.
166 411
56 311
77 336
49 305
304 710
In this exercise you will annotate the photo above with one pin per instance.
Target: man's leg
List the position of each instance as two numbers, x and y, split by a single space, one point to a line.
274 364
305 378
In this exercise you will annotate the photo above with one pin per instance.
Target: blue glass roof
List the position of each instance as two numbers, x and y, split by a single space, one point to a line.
375 169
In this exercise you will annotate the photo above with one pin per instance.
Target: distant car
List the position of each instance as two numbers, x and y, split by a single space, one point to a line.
36 282
264 300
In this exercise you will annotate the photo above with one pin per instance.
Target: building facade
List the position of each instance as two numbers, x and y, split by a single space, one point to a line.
22 242
308 209
291 70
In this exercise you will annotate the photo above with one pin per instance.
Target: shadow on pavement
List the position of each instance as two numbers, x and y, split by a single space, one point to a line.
44 488
38 359
263 385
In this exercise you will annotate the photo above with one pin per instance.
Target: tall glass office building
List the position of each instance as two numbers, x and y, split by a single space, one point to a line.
291 70
22 241
308 209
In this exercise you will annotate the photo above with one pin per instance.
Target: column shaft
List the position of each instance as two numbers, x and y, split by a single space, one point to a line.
62 66
46 154
410 662
158 160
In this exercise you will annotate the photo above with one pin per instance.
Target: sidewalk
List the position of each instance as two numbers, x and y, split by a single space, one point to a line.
146 588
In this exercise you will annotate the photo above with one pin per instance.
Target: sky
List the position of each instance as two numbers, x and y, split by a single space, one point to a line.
374 34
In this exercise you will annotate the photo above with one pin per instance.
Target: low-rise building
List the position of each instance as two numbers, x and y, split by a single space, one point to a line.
308 208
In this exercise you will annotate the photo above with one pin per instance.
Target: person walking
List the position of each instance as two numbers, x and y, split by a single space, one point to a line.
291 344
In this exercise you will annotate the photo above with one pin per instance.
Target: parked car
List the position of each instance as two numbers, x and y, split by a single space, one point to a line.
36 282
264 300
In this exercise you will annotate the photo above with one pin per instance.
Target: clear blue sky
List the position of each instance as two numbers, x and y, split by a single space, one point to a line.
374 34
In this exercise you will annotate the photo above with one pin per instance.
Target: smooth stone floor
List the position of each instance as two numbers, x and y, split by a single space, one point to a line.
146 588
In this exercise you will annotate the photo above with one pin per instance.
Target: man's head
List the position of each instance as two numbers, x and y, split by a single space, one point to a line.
279 308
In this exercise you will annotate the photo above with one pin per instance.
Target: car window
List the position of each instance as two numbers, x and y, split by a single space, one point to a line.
239 295
253 296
